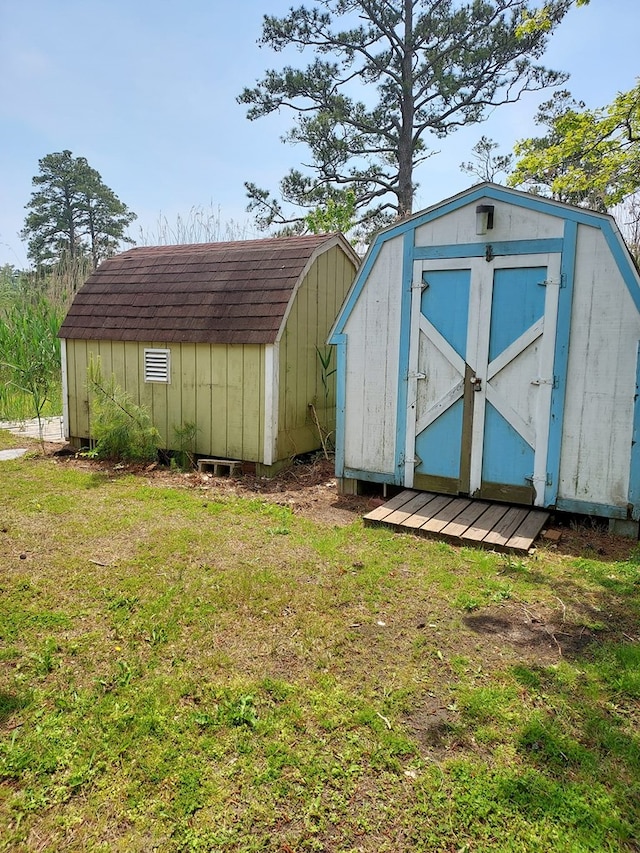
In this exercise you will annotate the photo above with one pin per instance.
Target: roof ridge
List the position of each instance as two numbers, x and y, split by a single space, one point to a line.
219 244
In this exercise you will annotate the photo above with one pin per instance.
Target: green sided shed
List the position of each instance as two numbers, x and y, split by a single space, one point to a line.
222 335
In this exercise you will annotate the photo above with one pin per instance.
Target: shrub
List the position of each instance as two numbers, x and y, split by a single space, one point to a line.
120 428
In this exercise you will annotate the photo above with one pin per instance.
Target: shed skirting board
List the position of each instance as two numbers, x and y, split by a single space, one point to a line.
65 388
371 477
590 508
562 505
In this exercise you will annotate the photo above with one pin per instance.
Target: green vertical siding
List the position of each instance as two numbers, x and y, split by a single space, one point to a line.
312 315
202 416
77 361
219 397
219 388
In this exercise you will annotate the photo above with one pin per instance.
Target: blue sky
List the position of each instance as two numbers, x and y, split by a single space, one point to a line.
146 91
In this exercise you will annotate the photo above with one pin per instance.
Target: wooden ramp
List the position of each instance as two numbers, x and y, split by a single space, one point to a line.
462 520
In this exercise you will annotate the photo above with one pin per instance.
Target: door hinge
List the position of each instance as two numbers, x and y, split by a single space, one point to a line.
416 375
539 380
549 281
546 480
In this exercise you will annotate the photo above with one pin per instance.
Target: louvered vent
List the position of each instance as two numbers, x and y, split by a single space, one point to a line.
156 365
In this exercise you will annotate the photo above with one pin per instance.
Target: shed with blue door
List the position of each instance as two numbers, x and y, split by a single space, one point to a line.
489 347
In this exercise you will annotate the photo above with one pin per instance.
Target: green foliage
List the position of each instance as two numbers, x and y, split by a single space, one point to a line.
325 357
120 428
587 157
17 406
72 213
45 661
57 283
427 67
337 215
9 284
61 281
539 19
30 351
240 711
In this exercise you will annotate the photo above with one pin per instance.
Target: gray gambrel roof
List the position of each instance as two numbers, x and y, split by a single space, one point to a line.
222 293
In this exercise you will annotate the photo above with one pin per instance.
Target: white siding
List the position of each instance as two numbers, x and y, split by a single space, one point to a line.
511 222
598 420
373 333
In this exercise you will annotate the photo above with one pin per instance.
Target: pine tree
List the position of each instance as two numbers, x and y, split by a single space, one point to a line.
72 213
384 77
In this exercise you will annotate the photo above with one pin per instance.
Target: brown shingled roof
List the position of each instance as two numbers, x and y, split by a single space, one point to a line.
203 293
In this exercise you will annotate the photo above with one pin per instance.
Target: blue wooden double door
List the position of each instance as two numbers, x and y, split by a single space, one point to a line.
481 375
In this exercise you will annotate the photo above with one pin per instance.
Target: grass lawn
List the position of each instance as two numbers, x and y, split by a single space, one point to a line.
184 669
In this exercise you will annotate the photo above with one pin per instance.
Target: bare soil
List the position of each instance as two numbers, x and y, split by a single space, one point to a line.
307 487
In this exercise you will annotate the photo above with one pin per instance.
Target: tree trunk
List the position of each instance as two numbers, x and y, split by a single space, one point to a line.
92 234
71 225
405 138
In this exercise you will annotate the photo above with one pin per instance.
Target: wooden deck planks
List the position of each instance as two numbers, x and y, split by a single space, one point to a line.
381 512
485 522
420 516
415 505
443 517
527 531
464 520
506 527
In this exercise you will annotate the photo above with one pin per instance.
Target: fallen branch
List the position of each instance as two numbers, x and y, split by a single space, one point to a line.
319 428
384 719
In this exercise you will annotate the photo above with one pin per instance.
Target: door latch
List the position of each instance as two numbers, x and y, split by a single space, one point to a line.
476 382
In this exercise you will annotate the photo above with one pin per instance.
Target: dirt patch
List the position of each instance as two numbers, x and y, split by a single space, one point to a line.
433 726
536 634
308 487
586 537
